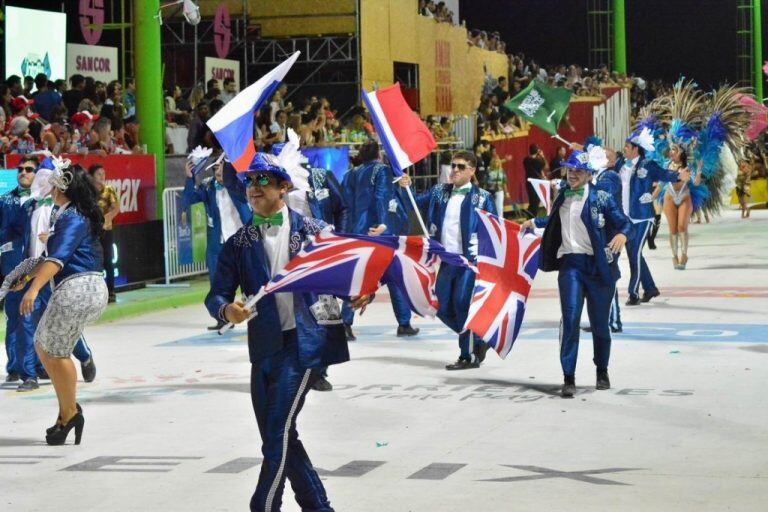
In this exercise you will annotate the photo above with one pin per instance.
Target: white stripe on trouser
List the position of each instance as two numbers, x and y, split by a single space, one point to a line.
286 433
471 345
640 255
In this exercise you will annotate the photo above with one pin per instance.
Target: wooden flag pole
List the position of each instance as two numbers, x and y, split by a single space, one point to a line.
415 207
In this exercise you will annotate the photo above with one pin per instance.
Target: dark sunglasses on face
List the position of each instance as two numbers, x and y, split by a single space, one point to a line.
24 168
261 180
460 167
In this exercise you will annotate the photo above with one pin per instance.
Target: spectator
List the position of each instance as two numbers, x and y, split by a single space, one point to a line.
197 127
110 208
20 140
29 84
60 85
213 94
74 95
20 107
5 106
196 96
429 9
45 98
556 165
212 84
101 137
501 91
230 90
113 106
535 167
14 84
122 141
129 101
278 131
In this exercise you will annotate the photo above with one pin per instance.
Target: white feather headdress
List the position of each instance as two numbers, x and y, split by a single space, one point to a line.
291 159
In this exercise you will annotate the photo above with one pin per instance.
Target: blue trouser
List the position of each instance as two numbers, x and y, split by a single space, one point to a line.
399 306
639 273
279 386
20 336
578 280
212 250
615 316
454 288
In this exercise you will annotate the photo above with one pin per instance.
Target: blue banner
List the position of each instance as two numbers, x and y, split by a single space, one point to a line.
8 180
183 233
333 159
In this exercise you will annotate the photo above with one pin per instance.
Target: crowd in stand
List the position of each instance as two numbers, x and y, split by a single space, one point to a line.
480 38
83 116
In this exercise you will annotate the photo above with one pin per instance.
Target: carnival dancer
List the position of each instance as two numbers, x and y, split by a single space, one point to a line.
226 210
73 262
321 198
286 343
638 175
449 211
584 232
376 208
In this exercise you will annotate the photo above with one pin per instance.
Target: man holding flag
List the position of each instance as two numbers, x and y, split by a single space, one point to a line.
584 232
293 336
450 214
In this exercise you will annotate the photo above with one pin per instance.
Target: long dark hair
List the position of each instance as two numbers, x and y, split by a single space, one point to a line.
84 197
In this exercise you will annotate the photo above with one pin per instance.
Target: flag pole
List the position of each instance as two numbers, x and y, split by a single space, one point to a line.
558 137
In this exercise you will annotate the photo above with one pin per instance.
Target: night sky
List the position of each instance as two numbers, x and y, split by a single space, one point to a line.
665 38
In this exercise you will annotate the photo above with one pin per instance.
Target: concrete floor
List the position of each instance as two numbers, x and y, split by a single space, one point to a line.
170 428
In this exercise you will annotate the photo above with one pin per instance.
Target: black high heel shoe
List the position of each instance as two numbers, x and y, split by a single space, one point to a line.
60 433
49 430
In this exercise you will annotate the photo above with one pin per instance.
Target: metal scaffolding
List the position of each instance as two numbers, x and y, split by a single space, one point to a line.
600 33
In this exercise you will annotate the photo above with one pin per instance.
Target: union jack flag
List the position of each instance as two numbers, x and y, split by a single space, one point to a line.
507 262
414 271
337 265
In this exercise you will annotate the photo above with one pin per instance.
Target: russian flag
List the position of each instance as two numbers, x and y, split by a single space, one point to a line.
405 137
233 124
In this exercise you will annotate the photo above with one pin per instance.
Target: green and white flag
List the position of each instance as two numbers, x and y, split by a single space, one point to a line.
541 105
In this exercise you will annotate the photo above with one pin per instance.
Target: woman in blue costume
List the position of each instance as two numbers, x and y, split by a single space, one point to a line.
72 265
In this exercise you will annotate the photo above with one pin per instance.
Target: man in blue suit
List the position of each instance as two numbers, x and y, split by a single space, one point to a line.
226 208
376 208
293 336
638 176
16 234
584 232
449 212
323 201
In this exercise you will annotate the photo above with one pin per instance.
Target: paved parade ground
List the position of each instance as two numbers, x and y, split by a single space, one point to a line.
169 425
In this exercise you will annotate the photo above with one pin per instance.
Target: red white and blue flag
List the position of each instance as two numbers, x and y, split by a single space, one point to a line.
233 124
507 262
405 137
543 189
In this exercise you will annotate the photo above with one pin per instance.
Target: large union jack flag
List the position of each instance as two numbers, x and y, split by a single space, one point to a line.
507 262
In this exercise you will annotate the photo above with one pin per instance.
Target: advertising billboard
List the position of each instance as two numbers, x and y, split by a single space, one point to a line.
99 62
27 51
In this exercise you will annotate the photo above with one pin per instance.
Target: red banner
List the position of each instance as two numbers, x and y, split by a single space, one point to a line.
132 176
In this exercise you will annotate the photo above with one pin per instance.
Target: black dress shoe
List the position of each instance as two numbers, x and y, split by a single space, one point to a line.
28 385
404 331
617 329
322 384
112 298
89 370
647 296
42 374
602 380
462 364
587 328
216 327
651 245
12 377
480 349
60 433
633 301
348 331
569 387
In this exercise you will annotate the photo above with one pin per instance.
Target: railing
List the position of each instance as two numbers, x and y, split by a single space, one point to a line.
174 269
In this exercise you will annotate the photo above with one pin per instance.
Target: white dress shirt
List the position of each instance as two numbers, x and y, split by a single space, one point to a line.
230 217
626 176
451 234
40 223
574 232
275 240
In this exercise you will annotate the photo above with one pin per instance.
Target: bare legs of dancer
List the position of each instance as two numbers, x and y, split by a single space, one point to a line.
678 218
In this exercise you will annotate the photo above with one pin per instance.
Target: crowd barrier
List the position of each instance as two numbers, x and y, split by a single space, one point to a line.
184 237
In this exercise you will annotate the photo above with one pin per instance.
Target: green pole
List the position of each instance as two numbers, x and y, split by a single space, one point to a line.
620 37
757 32
149 86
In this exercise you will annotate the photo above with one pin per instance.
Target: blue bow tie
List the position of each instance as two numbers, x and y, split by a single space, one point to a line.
217 185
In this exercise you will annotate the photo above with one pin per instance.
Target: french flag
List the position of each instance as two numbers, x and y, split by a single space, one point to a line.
233 124
405 137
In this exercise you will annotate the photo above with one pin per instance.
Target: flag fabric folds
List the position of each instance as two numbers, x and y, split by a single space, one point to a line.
233 124
543 189
541 105
507 262
405 137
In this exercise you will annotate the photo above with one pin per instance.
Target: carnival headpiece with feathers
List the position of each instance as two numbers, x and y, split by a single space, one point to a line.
291 159
199 157
53 172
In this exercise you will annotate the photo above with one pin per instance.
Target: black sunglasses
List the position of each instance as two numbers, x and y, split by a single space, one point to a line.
460 167
261 180
24 168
